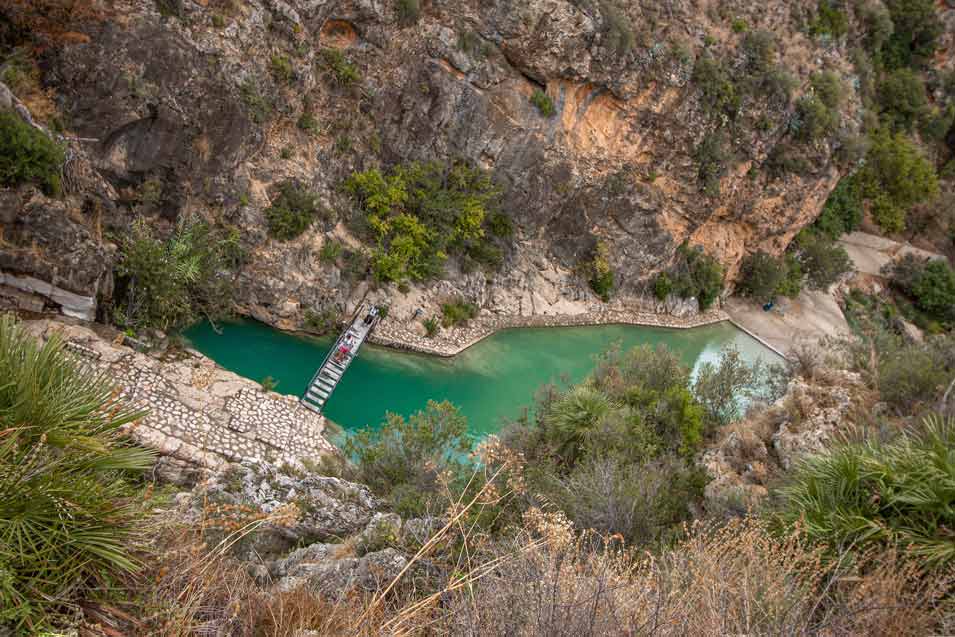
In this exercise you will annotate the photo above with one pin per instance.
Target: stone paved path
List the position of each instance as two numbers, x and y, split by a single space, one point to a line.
198 412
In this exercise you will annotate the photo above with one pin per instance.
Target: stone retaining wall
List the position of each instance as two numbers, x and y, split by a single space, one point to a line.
452 341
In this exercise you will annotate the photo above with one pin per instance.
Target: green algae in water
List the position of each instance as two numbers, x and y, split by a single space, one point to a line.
492 381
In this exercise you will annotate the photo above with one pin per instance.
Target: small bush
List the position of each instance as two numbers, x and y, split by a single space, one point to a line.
431 326
407 456
662 286
344 72
711 163
308 123
409 11
259 106
823 260
915 31
617 28
902 99
759 51
27 155
720 93
697 275
739 25
292 212
842 212
895 177
830 20
930 283
330 252
543 102
169 283
268 384
814 120
457 312
282 68
601 274
322 321
761 275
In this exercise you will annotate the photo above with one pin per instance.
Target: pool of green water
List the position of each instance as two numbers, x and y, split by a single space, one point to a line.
490 382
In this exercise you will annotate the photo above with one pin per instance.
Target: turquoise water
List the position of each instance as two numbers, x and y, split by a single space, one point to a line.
492 381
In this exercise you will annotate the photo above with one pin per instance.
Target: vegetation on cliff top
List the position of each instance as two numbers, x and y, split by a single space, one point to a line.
27 155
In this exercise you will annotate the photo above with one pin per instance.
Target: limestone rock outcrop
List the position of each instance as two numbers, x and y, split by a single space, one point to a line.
201 104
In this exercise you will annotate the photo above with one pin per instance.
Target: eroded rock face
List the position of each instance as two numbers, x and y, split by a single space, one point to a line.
802 422
319 532
205 104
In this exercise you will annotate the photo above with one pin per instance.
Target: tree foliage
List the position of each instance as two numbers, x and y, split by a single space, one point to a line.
292 212
27 155
420 213
169 283
895 177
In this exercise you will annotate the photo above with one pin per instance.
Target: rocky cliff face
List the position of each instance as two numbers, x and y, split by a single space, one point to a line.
191 106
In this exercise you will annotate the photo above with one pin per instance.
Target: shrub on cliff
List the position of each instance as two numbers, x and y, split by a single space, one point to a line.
292 212
457 312
902 99
418 214
404 458
823 260
930 283
27 155
895 177
895 495
719 92
169 283
842 212
760 276
67 506
915 31
696 274
601 273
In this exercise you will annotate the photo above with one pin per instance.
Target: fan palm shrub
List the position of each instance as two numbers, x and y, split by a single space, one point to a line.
67 503
899 494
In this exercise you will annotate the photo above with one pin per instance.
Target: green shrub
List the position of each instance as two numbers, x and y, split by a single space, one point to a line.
292 212
720 93
344 72
896 494
814 120
842 212
823 260
282 68
457 312
902 99
322 321
330 251
721 387
410 454
759 52
915 32
431 326
696 275
28 156
308 123
68 510
930 283
617 28
830 20
420 213
828 88
409 11
710 158
601 274
761 275
662 286
258 105
268 384
286 153
791 284
739 25
169 283
895 177
543 102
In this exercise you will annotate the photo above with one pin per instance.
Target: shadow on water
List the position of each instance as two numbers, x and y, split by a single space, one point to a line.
490 382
